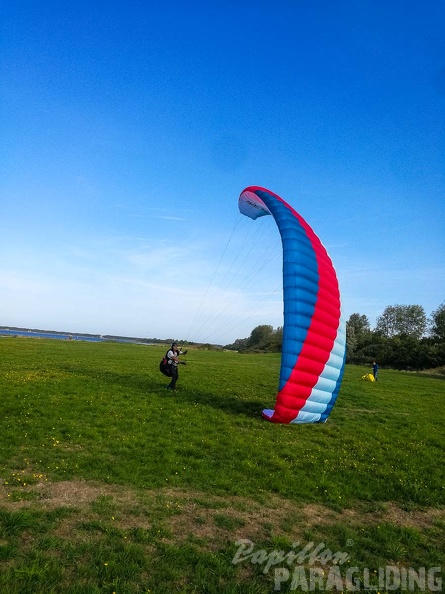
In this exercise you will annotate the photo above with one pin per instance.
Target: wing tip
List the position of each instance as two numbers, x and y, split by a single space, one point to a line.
268 414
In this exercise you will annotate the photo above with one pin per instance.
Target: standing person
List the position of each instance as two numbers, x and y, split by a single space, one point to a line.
173 360
375 370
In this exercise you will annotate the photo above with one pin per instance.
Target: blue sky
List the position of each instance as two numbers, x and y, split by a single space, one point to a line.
130 128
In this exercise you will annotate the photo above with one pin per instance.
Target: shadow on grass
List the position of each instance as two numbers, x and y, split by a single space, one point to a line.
135 381
229 402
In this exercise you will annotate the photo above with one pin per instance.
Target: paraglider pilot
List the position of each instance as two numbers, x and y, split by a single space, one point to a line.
173 360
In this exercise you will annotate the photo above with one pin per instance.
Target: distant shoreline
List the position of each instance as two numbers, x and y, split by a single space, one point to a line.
38 333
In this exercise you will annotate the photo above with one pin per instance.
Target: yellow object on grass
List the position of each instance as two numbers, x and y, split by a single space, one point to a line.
369 377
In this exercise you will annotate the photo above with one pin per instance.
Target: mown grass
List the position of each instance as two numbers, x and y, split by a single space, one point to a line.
113 484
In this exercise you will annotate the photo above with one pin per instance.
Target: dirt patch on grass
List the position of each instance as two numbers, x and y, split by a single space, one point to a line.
200 516
414 519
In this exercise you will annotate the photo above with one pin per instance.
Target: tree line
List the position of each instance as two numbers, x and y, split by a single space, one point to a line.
404 337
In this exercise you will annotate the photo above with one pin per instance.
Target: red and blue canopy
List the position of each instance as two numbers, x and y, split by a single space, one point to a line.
314 339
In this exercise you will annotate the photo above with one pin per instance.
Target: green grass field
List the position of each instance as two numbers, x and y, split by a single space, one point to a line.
111 483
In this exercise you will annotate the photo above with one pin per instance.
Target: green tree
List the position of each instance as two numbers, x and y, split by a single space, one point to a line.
397 320
358 324
437 323
358 332
240 344
277 340
260 337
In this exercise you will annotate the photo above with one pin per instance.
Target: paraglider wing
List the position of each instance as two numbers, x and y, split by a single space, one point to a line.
314 338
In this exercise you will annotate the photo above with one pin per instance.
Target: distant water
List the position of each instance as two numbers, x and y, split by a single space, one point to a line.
55 335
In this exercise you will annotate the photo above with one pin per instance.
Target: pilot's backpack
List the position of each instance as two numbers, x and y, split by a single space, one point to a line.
165 367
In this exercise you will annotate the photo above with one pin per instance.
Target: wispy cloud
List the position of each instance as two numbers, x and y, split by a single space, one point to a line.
170 218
